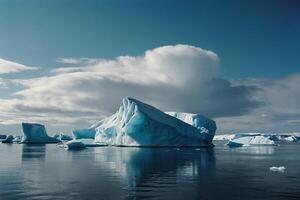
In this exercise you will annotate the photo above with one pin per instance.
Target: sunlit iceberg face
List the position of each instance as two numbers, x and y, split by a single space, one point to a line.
139 124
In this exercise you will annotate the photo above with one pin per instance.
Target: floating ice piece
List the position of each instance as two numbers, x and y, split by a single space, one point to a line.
140 124
8 139
277 169
74 145
250 140
36 133
2 137
17 139
224 137
290 139
62 137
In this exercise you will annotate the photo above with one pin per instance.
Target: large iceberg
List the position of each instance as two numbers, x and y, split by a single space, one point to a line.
250 140
36 133
140 124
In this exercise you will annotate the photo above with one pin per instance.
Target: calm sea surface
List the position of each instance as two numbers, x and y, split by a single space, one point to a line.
49 172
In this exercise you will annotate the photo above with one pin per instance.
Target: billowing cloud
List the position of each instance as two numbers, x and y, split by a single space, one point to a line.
173 78
280 111
7 66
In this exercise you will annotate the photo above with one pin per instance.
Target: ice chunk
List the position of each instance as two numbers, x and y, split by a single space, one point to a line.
17 139
84 133
36 133
74 145
2 137
250 140
224 137
277 169
290 139
62 136
8 139
139 124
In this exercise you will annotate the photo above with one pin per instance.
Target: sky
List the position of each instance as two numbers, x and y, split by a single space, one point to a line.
68 63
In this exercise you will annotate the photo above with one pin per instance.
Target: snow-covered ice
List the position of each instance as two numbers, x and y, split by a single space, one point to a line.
140 124
36 133
277 169
250 140
224 137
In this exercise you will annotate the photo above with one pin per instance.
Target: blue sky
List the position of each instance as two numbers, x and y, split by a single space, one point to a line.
256 48
253 38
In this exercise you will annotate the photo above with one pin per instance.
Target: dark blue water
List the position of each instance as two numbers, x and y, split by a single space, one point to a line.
48 172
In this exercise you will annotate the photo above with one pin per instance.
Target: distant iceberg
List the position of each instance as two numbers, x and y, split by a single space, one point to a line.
62 137
250 140
8 139
74 145
2 137
140 124
224 137
36 133
277 169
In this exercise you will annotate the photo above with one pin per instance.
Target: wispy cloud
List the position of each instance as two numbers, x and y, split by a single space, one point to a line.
76 61
7 66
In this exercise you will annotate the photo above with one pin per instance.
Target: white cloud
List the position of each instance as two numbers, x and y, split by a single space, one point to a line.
76 61
7 66
180 78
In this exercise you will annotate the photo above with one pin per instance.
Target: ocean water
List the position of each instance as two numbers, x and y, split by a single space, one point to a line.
49 172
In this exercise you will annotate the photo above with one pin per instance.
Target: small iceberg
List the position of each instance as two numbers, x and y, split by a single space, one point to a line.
74 145
277 169
17 139
8 139
63 137
250 140
2 137
36 134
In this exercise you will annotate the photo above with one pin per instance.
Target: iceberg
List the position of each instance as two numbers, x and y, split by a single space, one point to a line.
224 137
8 139
62 137
250 140
36 133
17 139
74 145
290 139
277 169
140 124
2 137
